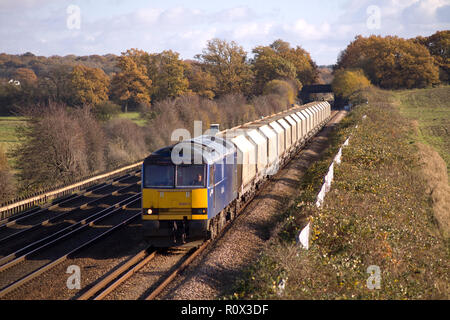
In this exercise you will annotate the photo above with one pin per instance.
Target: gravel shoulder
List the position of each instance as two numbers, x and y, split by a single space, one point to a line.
214 273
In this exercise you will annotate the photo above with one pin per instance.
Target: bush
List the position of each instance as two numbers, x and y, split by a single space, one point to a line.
126 142
106 110
7 186
52 149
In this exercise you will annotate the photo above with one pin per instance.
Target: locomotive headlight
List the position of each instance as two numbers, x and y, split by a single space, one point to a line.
149 211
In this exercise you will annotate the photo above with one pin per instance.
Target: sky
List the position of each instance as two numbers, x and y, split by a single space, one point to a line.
323 28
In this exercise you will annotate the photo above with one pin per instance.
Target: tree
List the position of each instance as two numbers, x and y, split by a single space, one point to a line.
131 86
438 45
282 88
227 63
52 149
390 62
200 81
25 76
347 84
306 69
55 84
167 72
268 65
89 85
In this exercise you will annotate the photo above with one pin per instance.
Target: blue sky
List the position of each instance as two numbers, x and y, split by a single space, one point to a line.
324 28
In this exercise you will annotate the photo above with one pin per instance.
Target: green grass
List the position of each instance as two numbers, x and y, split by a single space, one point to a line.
431 109
133 116
8 135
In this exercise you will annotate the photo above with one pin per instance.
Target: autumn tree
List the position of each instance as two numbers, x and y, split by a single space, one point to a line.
200 81
89 85
25 76
167 72
390 62
268 66
348 84
52 148
131 86
438 45
227 63
280 61
306 69
284 89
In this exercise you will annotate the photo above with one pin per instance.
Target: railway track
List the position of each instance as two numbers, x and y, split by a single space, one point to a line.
109 281
55 251
33 232
69 201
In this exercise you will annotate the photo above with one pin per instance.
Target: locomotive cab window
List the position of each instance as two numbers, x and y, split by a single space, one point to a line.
191 176
159 176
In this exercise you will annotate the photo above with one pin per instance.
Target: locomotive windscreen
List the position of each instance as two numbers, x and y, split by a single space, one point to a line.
159 176
191 176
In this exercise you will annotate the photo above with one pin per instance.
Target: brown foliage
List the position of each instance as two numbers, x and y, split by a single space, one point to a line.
7 187
126 142
53 148
435 173
391 62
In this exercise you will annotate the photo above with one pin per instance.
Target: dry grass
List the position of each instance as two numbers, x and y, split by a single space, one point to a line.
435 172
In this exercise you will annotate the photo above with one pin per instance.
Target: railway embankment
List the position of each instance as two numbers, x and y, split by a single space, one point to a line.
380 233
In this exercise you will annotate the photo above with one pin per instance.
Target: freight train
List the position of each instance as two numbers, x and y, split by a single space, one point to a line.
192 188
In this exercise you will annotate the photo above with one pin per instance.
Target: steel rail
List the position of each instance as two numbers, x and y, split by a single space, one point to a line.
21 232
125 277
79 226
31 213
103 283
54 193
172 276
16 284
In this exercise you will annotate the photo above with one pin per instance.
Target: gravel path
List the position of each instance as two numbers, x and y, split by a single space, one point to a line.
214 273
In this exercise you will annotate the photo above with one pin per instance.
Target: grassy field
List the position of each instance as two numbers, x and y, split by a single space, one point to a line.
133 116
430 108
8 125
379 212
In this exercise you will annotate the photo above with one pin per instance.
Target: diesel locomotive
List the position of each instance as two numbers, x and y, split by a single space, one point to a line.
192 188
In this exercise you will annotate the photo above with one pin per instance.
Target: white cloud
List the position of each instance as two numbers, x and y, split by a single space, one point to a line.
25 24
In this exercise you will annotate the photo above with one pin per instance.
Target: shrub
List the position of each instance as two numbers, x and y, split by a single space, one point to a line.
52 149
126 142
106 110
7 186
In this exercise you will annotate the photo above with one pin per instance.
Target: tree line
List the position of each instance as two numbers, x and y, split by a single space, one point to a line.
138 78
396 63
